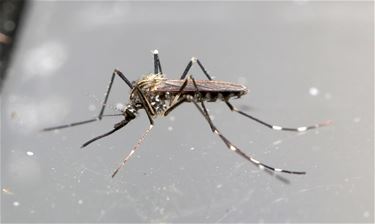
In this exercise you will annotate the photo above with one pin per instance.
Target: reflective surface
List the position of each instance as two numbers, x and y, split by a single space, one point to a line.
303 63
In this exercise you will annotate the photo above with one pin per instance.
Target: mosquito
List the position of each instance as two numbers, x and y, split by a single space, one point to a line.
158 96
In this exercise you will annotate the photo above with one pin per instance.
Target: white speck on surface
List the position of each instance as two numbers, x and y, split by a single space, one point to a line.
219 186
172 118
29 153
313 91
92 107
357 119
16 204
80 202
24 168
277 142
170 128
192 148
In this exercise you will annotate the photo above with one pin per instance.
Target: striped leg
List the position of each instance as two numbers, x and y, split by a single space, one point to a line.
229 145
235 148
135 147
276 127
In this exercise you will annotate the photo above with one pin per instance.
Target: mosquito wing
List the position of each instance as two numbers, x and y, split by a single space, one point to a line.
174 86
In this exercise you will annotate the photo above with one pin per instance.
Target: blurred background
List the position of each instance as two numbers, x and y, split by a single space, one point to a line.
304 62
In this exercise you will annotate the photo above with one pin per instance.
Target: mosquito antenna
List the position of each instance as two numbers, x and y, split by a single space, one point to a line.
135 147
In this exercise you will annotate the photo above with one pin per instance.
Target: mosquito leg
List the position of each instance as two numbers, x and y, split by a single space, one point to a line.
79 123
149 112
135 147
276 127
157 65
231 146
69 125
122 76
100 116
173 106
179 93
146 105
235 148
191 62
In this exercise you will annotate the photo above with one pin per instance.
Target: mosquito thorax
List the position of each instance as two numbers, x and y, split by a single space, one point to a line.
150 81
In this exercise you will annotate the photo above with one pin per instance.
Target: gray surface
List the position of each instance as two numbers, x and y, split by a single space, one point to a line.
183 172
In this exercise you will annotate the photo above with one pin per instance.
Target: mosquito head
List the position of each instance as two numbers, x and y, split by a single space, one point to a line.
129 111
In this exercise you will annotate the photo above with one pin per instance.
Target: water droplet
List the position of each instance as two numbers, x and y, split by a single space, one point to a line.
313 91
29 153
